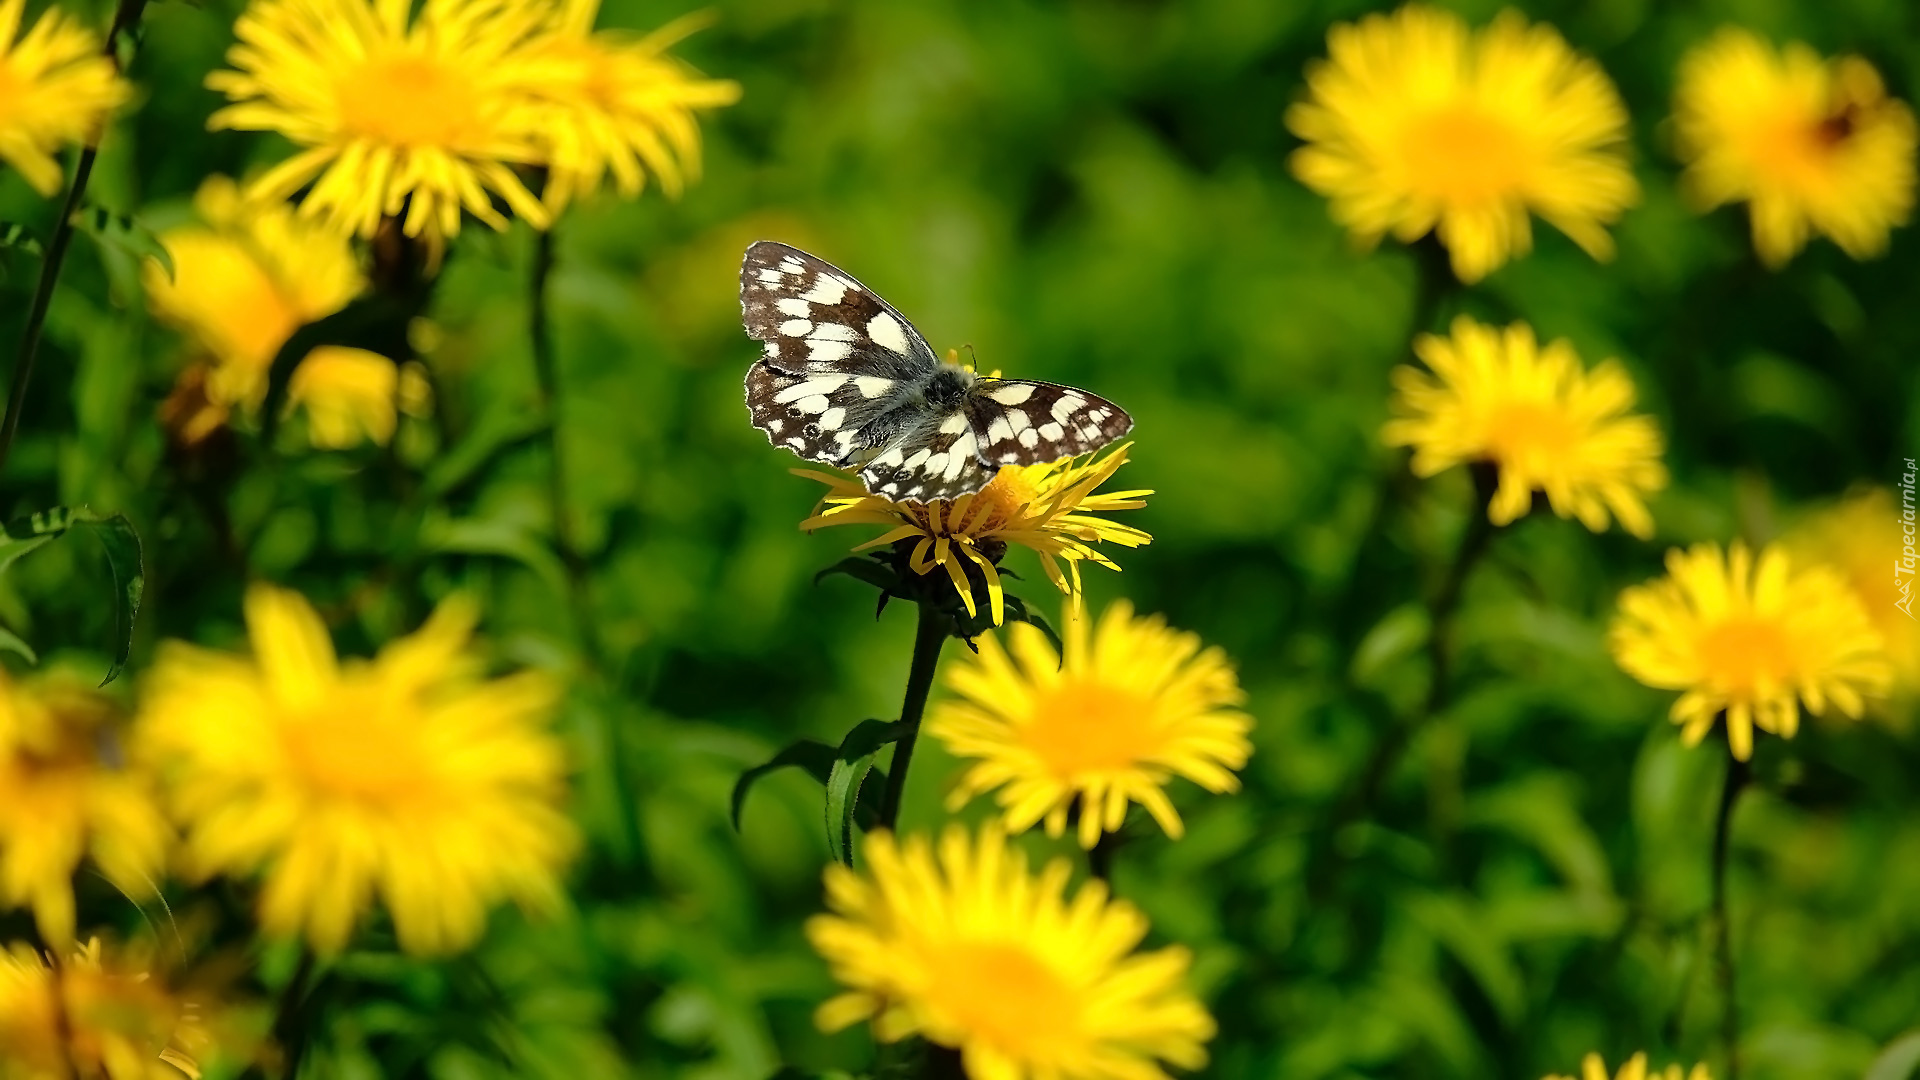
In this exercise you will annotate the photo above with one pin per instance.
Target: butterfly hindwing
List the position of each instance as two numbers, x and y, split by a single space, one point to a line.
936 457
1020 422
814 317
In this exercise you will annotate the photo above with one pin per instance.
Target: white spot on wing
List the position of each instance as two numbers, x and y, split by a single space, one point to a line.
792 265
872 386
833 418
953 425
999 431
886 332
1019 421
770 276
891 457
793 305
797 443
796 327
828 290
818 384
815 404
1067 406
827 352
1011 394
1029 438
1051 432
831 331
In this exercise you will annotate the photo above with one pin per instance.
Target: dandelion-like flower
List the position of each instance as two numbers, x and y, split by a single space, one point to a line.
1813 146
1753 643
424 115
1497 396
63 801
56 89
408 776
1414 124
1860 538
96 1014
1132 704
350 395
1049 508
968 949
1594 1067
622 106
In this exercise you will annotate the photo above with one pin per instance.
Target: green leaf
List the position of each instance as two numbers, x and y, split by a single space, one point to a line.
124 233
15 238
862 569
815 757
1018 611
1898 1061
10 642
852 763
122 546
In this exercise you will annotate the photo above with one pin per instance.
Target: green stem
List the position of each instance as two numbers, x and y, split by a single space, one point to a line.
1100 858
291 1026
124 17
927 640
1739 773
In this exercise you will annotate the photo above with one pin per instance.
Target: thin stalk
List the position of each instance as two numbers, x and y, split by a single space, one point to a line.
290 1028
1100 858
580 603
927 640
124 17
1739 773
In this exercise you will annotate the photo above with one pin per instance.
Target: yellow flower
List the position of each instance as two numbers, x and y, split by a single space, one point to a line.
1813 146
1595 1068
426 116
408 776
1415 123
93 1015
1862 538
973 952
622 106
350 394
1049 508
1111 723
56 89
1548 425
64 802
1750 643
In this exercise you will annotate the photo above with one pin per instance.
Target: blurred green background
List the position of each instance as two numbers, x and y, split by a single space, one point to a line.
1093 193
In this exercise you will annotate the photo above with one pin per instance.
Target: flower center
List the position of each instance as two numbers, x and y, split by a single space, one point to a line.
362 748
1527 434
408 101
1083 727
1742 651
1004 996
1461 154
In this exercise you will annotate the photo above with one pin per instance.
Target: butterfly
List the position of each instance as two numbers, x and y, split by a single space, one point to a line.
845 379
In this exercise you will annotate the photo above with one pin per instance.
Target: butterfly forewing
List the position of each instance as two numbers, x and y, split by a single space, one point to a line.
814 317
819 417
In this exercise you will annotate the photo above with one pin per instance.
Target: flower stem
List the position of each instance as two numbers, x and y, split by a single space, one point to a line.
1739 773
546 371
927 640
124 18
291 1024
1100 858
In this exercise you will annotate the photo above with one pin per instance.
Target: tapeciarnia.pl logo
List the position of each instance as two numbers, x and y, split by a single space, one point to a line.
1903 566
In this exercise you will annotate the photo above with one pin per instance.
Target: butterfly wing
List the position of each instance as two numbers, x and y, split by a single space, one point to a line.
814 318
1020 422
829 418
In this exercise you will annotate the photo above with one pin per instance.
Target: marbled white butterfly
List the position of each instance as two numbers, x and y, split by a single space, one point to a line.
846 380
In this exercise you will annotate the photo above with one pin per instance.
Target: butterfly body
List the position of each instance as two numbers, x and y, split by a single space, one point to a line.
845 379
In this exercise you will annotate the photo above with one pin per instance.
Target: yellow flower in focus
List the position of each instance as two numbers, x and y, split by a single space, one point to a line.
1414 124
350 395
424 115
1813 146
63 802
1049 508
1548 425
56 89
622 106
1861 537
92 1015
1752 643
1594 1067
971 951
408 776
1132 704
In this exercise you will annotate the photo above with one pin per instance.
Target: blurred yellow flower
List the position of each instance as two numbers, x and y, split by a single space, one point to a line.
1594 1067
1132 704
1049 508
1752 643
1414 124
621 106
244 279
56 89
350 395
409 776
973 952
1813 146
63 801
1496 396
1860 537
425 116
93 1015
